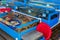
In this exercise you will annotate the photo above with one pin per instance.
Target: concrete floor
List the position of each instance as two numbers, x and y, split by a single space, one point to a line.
34 35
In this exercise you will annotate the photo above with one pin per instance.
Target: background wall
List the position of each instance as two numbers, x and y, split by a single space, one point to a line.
52 1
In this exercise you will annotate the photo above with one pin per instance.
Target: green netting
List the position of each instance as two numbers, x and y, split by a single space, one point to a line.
3 1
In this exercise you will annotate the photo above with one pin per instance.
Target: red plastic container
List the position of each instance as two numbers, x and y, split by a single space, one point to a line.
5 9
45 29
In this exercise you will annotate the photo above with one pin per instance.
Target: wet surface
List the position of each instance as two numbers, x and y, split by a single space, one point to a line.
56 32
4 36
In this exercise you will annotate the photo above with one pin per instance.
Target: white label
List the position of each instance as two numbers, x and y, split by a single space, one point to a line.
16 38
